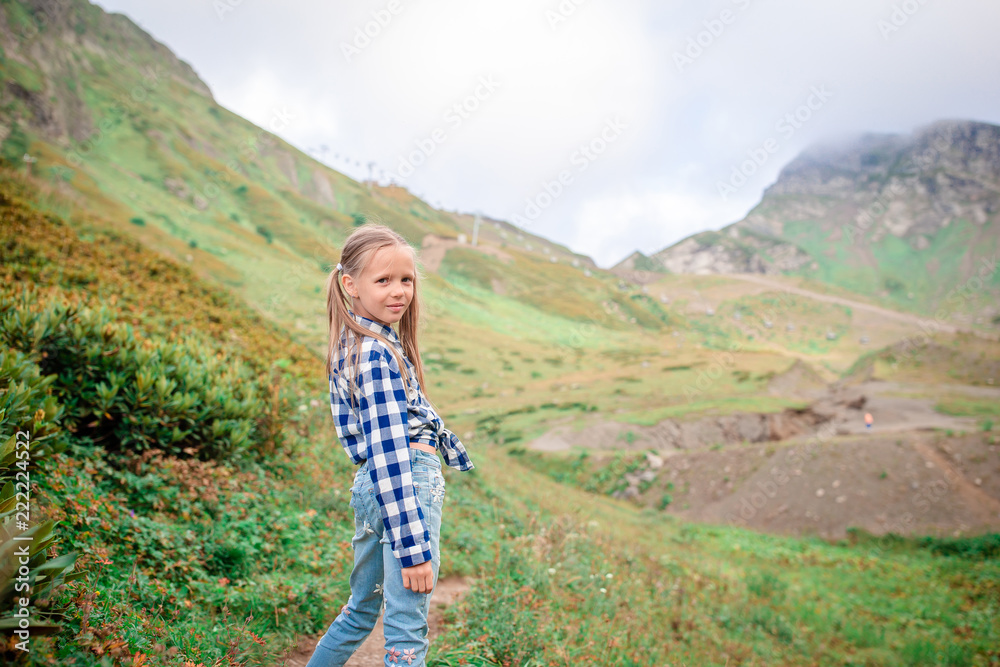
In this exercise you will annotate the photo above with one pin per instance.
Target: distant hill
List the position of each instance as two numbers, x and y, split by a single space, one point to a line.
114 120
907 219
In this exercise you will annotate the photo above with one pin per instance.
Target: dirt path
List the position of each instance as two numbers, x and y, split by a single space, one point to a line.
915 320
985 505
433 249
447 591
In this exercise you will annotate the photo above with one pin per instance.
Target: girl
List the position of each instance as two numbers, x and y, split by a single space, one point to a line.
392 431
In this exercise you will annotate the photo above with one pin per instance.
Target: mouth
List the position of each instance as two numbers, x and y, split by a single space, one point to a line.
396 307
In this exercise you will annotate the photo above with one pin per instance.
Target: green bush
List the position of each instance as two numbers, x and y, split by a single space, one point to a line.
979 547
26 405
29 417
42 575
129 394
503 611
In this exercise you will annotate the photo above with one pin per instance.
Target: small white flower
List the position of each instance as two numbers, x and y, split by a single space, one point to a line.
609 576
379 590
604 590
368 528
552 570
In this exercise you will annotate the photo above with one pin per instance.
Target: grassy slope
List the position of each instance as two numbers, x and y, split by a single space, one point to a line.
497 363
272 540
896 274
622 587
697 595
164 163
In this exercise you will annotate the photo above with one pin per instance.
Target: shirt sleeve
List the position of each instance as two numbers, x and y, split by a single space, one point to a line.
384 418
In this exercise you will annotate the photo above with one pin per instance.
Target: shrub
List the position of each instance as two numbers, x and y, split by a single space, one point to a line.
26 405
503 610
43 575
979 547
29 414
131 394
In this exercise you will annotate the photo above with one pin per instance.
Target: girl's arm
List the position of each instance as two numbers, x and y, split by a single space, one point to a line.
385 423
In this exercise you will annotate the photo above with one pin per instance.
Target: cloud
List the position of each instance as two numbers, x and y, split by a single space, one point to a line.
611 226
561 79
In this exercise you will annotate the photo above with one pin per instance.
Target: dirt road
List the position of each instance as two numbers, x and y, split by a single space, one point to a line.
915 320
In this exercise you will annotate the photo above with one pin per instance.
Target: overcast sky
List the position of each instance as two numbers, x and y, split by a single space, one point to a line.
669 97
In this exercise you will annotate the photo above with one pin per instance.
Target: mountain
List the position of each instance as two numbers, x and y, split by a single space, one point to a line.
113 120
908 219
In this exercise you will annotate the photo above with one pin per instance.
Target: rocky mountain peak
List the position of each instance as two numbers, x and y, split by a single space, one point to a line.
853 195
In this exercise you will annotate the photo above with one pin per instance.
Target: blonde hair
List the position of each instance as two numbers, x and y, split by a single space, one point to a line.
358 249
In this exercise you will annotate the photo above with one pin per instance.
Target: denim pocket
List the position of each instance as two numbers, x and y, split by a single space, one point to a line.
432 484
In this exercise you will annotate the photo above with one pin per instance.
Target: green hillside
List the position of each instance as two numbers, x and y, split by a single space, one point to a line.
162 335
198 556
911 221
120 125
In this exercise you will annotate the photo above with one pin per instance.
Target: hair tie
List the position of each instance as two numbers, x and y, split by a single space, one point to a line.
339 267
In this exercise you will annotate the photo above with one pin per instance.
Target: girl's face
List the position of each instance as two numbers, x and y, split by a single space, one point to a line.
384 289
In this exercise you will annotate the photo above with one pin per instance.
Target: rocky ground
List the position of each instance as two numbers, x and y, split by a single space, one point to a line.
819 470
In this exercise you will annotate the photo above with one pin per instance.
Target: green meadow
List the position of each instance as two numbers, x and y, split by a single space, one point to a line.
162 335
226 546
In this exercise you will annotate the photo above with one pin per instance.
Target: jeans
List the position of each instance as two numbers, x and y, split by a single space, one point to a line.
377 580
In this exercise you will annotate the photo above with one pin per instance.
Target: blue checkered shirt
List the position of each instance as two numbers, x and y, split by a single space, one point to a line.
380 427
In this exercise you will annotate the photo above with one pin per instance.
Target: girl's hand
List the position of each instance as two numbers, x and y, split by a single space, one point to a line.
419 578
